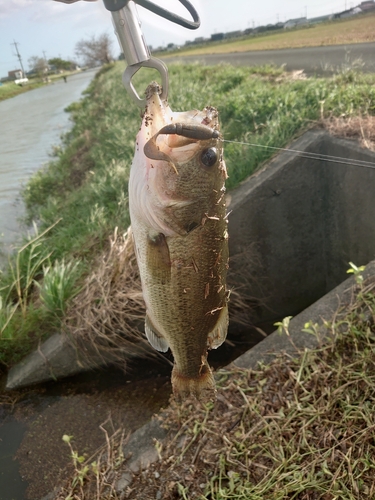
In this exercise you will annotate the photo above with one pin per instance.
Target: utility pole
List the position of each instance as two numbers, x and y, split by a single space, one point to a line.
19 57
45 61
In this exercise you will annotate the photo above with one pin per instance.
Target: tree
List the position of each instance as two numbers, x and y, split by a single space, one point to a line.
95 51
38 65
60 63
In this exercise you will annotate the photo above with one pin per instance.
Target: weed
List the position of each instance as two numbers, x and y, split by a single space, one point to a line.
59 286
95 479
25 315
357 271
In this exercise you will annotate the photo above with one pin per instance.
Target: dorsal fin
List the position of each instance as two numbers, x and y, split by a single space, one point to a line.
157 341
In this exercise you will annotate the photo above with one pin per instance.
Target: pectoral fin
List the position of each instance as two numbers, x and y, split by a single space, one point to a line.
187 215
157 257
157 341
217 336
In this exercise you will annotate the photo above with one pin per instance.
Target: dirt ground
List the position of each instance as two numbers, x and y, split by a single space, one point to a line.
85 407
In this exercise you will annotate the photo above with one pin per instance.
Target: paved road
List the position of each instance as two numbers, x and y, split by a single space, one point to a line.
314 60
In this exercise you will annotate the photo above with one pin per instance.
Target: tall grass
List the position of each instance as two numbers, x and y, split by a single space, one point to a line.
85 186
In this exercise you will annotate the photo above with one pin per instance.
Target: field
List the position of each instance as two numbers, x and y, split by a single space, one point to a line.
348 31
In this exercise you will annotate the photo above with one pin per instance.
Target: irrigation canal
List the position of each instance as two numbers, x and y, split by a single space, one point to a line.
30 125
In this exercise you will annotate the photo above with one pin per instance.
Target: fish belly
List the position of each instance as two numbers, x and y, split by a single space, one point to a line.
183 281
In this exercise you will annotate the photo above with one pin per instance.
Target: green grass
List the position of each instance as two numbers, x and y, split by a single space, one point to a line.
10 89
81 196
300 428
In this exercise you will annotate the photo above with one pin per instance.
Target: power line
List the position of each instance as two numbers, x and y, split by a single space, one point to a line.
19 57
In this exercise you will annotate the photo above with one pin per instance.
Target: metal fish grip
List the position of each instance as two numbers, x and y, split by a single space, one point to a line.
137 55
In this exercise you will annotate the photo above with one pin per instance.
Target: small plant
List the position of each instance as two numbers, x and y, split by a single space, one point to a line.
59 285
6 313
357 271
95 480
283 326
80 470
25 269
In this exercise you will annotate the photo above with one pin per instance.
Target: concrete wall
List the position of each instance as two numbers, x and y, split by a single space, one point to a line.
296 224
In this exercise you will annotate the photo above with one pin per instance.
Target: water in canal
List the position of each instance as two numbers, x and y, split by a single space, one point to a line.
30 124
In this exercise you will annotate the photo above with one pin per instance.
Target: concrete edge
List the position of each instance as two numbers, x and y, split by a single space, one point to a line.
305 142
264 352
54 358
57 358
140 447
322 310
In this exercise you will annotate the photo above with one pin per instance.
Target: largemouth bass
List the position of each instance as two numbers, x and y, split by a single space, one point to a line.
178 219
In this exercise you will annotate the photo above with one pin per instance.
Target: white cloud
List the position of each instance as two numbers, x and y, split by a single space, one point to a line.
9 8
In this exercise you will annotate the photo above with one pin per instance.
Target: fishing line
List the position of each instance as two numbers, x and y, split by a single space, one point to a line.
312 156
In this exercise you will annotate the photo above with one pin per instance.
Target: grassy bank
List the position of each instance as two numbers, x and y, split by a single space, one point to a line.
300 428
81 197
340 32
10 89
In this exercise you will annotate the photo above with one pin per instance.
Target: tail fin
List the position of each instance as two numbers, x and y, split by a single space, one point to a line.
202 387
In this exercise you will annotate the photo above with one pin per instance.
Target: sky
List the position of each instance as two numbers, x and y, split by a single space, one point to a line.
46 28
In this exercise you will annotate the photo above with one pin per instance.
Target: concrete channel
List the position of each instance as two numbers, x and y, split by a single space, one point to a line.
294 227
298 223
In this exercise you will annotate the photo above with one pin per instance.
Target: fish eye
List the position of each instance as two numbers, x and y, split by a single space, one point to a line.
209 157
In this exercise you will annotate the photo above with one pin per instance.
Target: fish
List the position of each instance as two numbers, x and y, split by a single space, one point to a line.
179 225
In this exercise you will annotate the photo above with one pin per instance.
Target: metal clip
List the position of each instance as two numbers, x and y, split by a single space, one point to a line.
129 34
130 71
128 30
136 52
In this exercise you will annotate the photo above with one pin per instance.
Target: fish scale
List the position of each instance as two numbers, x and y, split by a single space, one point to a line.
178 217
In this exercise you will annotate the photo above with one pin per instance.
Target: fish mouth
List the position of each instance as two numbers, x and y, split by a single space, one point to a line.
180 134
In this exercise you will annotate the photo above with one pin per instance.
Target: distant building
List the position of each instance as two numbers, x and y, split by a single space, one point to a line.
248 31
320 19
16 74
233 34
367 6
217 36
292 23
199 39
347 13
